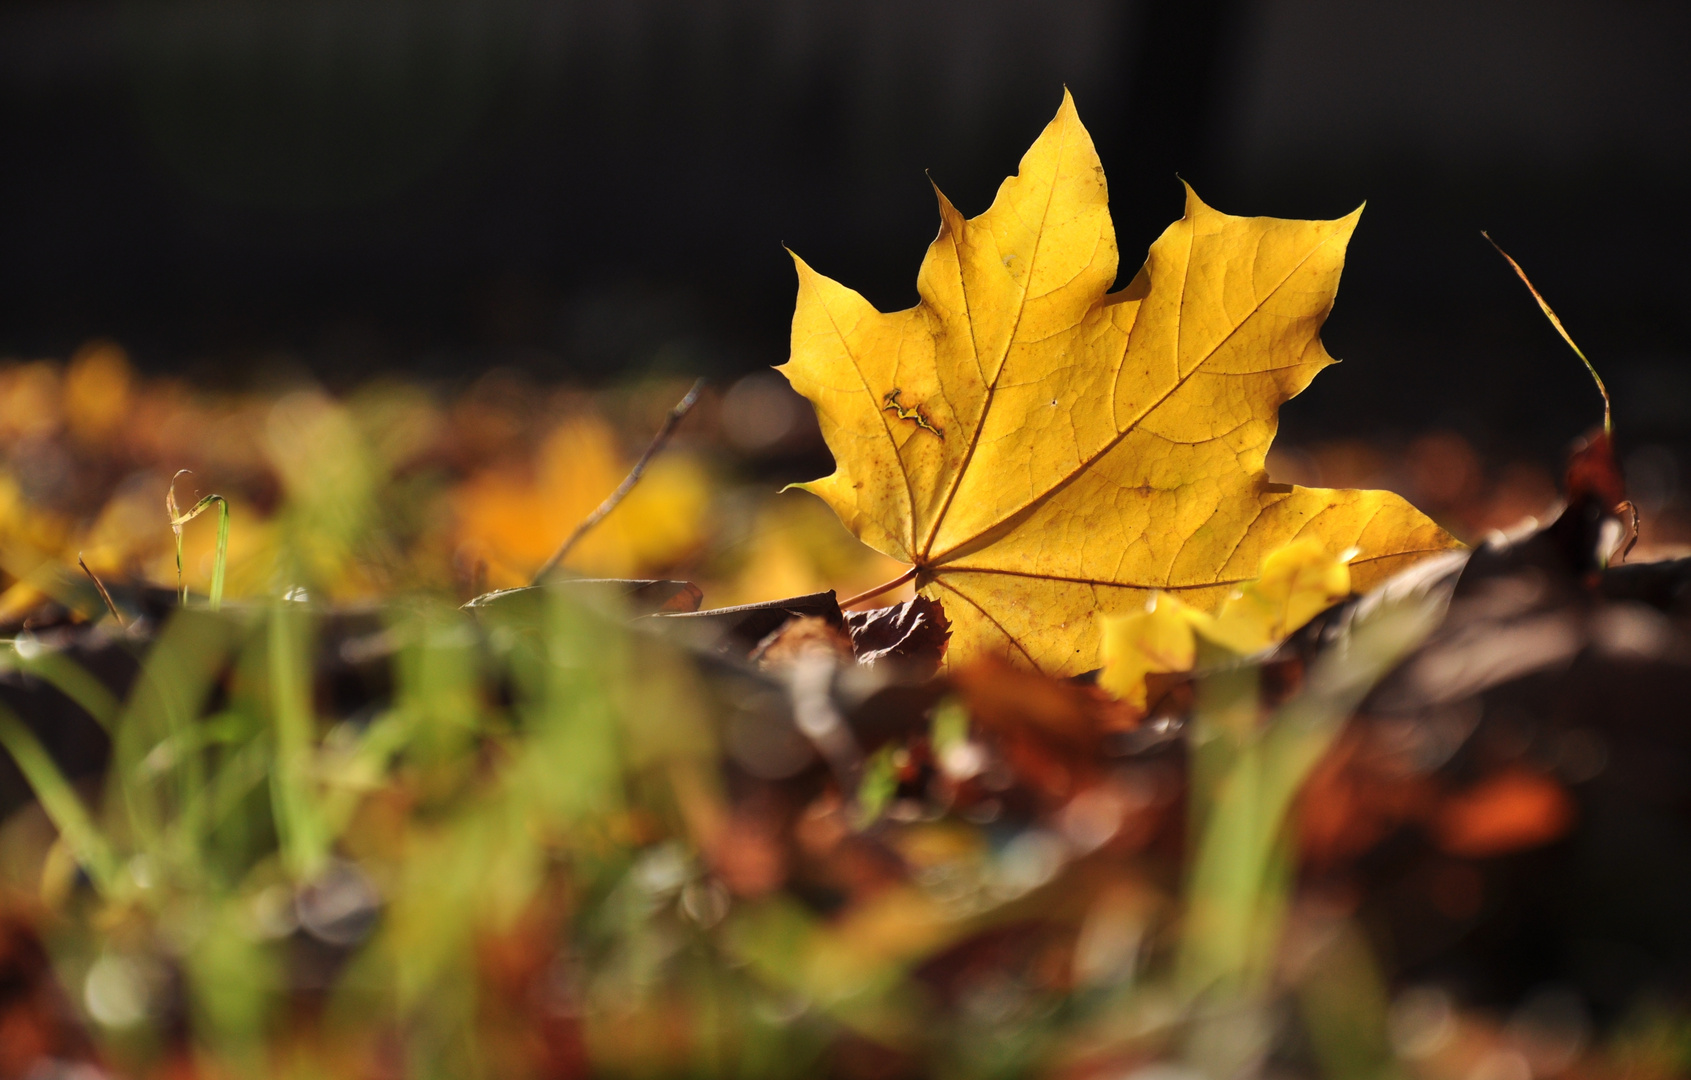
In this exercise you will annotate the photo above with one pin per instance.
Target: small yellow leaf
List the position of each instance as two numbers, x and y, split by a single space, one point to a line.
1298 582
1156 640
1041 451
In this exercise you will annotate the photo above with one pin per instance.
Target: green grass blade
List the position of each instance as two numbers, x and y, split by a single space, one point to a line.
73 681
304 845
158 761
179 520
1236 891
222 552
239 773
59 799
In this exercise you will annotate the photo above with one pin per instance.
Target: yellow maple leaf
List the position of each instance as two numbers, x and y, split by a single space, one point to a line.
1039 450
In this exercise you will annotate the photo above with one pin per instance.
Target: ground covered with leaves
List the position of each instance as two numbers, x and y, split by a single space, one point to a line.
1135 747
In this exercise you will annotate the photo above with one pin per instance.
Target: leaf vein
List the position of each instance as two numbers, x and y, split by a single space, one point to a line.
992 387
1065 481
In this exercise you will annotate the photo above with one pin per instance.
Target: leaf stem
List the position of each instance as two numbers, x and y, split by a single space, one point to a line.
887 586
682 408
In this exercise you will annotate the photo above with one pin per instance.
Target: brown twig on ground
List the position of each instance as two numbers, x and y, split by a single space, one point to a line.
104 595
682 408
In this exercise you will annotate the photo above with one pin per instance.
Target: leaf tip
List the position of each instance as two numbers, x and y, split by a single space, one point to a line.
950 219
808 278
1068 116
1194 204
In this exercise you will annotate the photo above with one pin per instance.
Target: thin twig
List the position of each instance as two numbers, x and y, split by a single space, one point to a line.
682 408
885 586
104 595
1608 423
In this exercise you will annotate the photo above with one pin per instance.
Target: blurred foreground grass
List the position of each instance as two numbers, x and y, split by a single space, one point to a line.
390 488
347 830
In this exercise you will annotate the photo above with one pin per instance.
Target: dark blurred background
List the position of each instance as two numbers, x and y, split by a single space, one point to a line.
591 188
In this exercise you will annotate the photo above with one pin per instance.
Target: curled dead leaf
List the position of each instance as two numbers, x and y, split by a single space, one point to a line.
913 633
